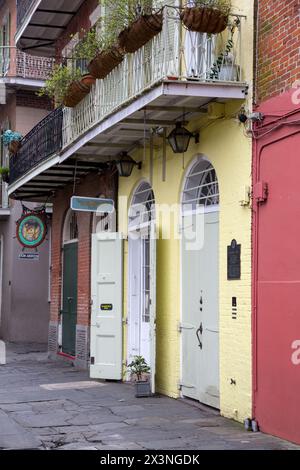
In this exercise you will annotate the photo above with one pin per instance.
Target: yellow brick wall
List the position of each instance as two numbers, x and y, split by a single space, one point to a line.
225 144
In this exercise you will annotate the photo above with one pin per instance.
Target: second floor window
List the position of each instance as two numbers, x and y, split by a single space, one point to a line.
4 45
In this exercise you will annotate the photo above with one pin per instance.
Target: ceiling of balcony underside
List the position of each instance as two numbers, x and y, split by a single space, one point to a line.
131 133
49 20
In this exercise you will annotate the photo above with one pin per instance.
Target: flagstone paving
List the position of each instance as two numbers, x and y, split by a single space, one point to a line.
51 405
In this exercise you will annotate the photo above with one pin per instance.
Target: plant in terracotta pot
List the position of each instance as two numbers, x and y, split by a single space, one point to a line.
101 51
134 21
4 173
67 86
140 370
12 140
206 16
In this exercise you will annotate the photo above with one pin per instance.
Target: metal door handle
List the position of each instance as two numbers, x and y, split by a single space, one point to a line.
198 333
69 299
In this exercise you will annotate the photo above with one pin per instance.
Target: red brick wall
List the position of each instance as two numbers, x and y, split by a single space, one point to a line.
29 99
278 64
91 186
79 23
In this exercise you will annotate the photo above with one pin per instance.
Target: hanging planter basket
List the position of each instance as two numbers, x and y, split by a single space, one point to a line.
14 146
105 62
75 93
88 80
204 19
141 31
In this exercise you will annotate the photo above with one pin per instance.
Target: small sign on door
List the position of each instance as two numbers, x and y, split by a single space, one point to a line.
106 307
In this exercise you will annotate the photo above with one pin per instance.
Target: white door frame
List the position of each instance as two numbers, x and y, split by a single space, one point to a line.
138 235
138 229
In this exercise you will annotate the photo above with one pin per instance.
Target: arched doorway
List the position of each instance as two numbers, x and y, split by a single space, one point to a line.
69 284
142 276
200 284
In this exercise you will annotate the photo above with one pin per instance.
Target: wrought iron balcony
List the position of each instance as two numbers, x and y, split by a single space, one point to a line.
15 63
44 140
175 54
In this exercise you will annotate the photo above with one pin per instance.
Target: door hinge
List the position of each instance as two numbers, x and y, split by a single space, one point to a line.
180 386
260 192
185 326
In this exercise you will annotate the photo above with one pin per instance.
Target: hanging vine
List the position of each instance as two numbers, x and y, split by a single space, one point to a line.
221 59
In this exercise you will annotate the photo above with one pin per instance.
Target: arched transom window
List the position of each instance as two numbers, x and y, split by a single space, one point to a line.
142 209
201 186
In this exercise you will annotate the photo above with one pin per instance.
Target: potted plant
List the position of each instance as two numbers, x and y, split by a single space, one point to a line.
206 16
12 140
139 369
4 172
67 85
224 67
100 50
135 21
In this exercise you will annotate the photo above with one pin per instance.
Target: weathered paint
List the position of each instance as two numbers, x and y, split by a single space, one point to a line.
276 274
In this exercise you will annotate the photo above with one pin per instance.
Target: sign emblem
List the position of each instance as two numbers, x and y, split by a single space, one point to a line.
31 230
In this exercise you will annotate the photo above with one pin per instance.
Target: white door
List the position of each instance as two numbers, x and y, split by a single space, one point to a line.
200 314
134 304
107 306
142 297
152 300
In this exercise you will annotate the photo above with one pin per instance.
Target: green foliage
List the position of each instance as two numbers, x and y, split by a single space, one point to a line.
4 170
92 43
58 83
138 367
120 14
222 5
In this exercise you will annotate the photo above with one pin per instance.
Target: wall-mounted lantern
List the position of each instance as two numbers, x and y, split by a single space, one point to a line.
126 164
179 138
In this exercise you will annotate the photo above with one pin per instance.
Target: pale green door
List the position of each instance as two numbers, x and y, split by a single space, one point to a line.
107 306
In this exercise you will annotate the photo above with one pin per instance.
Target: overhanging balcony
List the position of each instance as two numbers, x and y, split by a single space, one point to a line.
177 64
41 22
174 77
42 142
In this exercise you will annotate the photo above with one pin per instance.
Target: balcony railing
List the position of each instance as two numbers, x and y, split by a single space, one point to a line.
15 63
44 140
22 8
174 53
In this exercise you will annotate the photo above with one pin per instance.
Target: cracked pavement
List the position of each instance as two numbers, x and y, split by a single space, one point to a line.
51 405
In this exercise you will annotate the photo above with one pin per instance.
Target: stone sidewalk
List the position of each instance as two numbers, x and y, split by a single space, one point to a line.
51 405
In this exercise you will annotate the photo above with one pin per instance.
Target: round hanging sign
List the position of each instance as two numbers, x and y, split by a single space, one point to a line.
31 230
